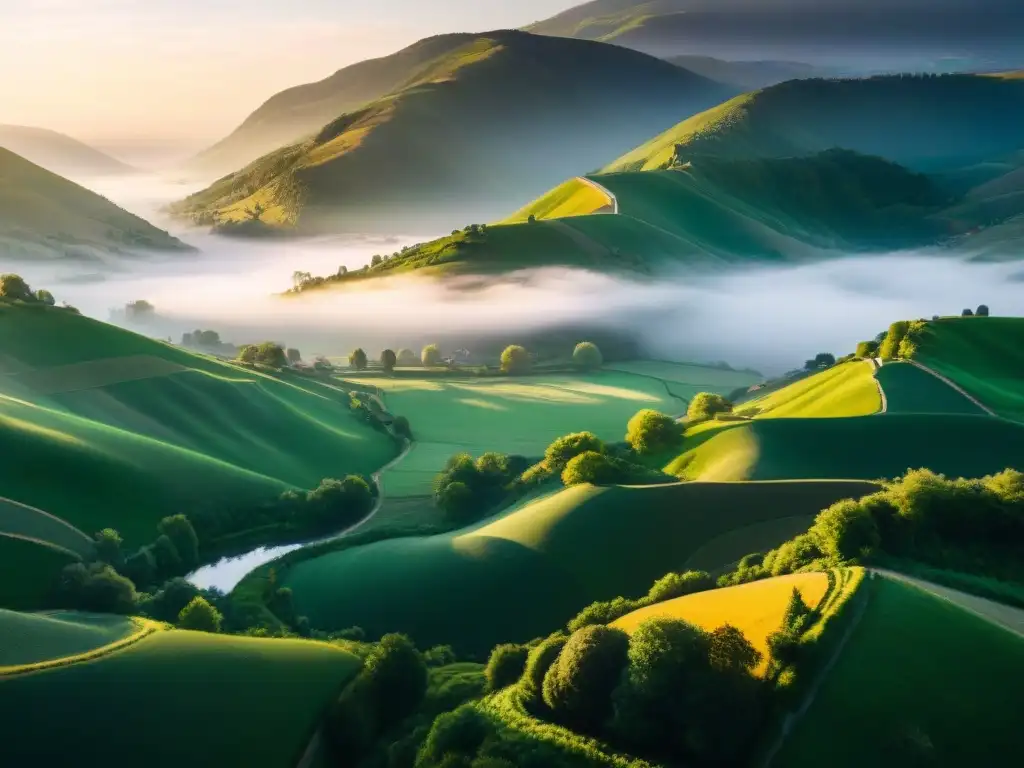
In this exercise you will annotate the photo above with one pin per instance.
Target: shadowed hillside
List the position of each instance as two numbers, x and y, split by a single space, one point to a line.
471 133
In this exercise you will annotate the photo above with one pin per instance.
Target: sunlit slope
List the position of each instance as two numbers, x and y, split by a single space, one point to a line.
532 569
984 355
179 698
848 389
863 447
904 678
136 429
756 609
440 142
43 215
904 119
574 197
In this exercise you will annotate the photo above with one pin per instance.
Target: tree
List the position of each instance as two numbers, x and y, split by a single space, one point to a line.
867 349
566 448
14 287
531 219
271 354
248 353
397 676
45 297
293 355
168 561
200 616
388 359
179 530
673 585
407 359
706 405
982 311
538 662
376 261
594 468
431 355
579 685
824 359
108 547
650 432
587 356
515 360
457 502
505 665
844 531
168 603
967 313
357 359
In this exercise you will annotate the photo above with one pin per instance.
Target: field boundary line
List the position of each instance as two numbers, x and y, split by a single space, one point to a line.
603 190
146 628
956 387
792 718
57 521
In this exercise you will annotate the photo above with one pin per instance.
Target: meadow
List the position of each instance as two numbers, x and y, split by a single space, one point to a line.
908 389
41 637
926 679
532 568
179 698
844 390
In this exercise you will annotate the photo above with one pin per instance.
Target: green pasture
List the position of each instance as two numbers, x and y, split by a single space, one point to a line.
921 682
984 355
571 198
848 389
908 389
32 571
34 637
866 447
177 698
528 571
19 520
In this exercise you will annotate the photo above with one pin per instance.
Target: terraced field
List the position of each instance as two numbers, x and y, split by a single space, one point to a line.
159 694
533 568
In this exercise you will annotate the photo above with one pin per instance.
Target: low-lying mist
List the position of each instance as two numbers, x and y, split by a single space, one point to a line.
769 318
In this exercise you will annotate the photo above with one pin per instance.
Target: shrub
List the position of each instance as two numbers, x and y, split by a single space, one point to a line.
186 543
357 359
200 616
515 360
705 405
603 612
651 432
587 356
431 355
293 355
538 662
595 468
505 665
795 554
388 360
982 311
45 297
845 531
967 313
566 448
406 358
458 733
439 656
578 686
673 585
108 547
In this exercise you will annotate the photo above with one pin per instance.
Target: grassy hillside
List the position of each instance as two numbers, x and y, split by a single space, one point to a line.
43 215
982 355
904 119
756 609
59 153
572 198
906 677
908 389
529 571
848 389
449 126
159 694
137 429
861 447
43 637
37 565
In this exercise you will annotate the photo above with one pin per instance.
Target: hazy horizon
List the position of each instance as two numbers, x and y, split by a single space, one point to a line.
166 79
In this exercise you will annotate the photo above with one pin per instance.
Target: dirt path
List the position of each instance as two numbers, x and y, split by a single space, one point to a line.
1006 616
603 190
881 390
955 386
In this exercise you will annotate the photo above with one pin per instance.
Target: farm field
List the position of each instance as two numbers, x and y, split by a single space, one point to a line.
37 637
908 389
522 416
847 389
756 609
926 679
981 354
481 585
780 449
158 691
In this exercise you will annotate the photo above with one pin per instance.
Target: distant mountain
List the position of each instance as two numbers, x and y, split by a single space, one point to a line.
819 31
749 75
45 216
472 133
59 153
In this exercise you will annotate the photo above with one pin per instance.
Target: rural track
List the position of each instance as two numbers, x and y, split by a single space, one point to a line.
876 363
956 387
603 190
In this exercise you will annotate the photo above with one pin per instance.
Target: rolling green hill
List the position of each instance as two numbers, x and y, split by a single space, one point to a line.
843 390
530 570
59 153
44 216
450 126
156 697
38 566
137 429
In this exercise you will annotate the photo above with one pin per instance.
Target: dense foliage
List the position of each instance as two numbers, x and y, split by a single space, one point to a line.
652 432
268 353
505 665
706 405
200 616
515 360
431 355
587 356
466 489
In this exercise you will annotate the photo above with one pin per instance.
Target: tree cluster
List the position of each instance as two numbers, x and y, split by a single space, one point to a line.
466 489
268 353
651 432
707 405
820 360
14 288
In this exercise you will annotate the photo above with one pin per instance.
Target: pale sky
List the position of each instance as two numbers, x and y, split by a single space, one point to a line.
160 70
